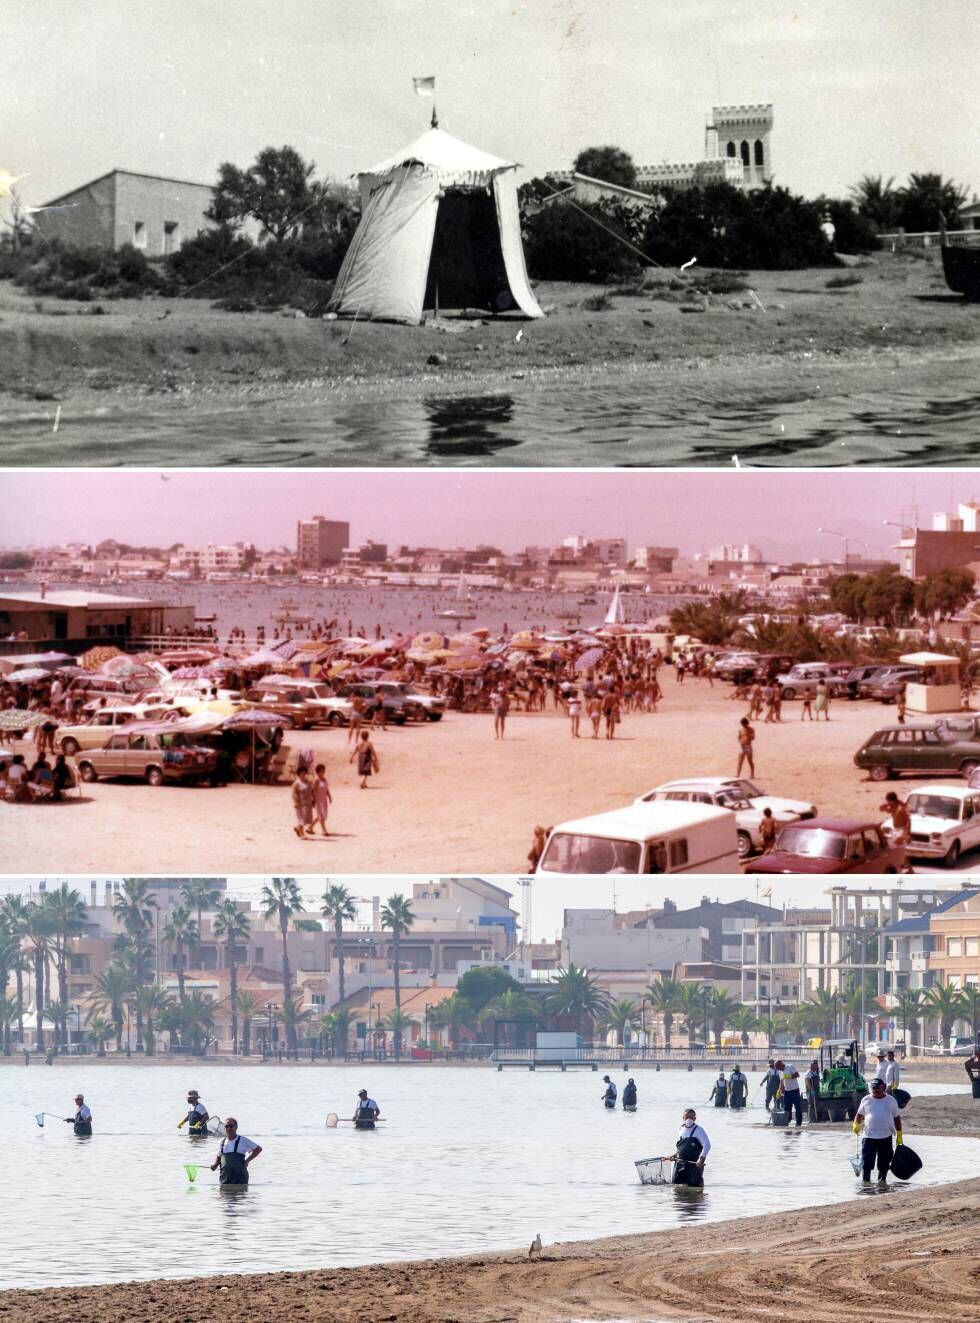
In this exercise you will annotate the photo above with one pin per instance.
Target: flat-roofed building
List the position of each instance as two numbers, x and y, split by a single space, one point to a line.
79 617
320 542
151 213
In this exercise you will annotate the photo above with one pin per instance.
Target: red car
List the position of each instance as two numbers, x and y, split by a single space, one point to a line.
832 845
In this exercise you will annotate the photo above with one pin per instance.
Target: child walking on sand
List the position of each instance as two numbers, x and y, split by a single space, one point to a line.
322 799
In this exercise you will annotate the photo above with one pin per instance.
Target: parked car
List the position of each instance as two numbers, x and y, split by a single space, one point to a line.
803 678
731 795
101 721
330 710
887 684
770 664
958 1047
419 705
738 667
945 822
857 675
288 703
896 749
644 838
832 845
153 755
375 696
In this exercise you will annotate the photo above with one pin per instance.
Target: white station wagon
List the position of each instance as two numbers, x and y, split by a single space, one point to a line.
741 797
945 822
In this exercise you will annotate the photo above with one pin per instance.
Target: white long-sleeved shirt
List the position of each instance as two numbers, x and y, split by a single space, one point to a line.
882 1068
699 1133
892 1074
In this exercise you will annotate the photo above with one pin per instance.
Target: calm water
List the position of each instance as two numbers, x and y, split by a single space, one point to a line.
396 610
470 1161
626 424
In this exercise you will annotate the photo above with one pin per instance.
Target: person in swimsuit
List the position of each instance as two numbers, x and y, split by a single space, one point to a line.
367 759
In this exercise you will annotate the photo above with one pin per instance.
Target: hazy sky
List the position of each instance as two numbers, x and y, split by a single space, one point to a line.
549 899
778 511
176 86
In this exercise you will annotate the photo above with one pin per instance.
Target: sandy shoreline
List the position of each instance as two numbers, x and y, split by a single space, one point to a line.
919 1248
449 798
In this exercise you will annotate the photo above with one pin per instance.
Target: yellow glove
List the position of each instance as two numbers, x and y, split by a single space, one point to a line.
898 1138
856 1127
181 1124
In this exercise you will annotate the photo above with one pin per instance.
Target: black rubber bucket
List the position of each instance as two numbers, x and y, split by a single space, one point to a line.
906 1162
976 1086
778 1117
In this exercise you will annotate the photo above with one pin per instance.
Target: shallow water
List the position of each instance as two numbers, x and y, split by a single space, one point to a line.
470 1161
629 423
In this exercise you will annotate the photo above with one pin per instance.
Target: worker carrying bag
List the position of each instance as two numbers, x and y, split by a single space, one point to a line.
905 1163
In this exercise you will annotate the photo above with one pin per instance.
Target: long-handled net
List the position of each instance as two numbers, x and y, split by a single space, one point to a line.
857 1162
651 1171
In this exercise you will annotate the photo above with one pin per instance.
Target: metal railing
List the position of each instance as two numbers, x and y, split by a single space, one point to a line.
930 239
602 1055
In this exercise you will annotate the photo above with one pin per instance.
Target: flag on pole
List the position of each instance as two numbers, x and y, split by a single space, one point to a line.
424 86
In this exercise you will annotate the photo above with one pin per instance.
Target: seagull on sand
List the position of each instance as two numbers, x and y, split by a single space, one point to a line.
535 1246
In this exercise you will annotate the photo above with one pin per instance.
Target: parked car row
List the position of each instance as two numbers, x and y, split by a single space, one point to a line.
880 681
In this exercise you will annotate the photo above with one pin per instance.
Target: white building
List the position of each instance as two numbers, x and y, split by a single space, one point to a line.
592 939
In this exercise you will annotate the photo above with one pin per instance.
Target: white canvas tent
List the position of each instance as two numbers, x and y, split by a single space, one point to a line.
439 228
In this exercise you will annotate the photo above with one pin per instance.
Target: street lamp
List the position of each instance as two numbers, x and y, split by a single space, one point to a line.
704 998
833 532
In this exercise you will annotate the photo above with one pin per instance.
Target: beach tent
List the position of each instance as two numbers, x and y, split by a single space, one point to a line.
439 229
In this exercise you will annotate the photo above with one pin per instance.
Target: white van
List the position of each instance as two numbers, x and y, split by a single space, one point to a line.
659 837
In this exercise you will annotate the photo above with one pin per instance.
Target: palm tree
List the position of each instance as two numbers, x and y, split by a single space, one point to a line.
68 916
8 1012
134 907
744 1021
925 198
246 1006
397 1023
200 894
875 198
39 933
691 1000
293 1015
110 994
397 916
453 1013
618 1016
912 1005
721 1008
198 1019
819 1012
15 920
99 1029
151 1001
180 930
232 926
947 1003
10 960
281 900
663 998
335 1026
338 905
56 1013
576 995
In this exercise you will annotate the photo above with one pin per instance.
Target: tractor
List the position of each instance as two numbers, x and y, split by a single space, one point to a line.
842 1086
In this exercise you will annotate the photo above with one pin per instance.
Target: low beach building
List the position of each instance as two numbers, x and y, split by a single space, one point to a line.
73 619
151 213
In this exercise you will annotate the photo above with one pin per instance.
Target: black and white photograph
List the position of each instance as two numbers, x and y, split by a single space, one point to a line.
534 234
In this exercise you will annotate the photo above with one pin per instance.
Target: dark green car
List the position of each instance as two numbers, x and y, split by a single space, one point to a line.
917 749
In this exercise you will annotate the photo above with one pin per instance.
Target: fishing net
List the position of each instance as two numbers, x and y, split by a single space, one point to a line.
651 1171
39 1118
332 1119
192 1169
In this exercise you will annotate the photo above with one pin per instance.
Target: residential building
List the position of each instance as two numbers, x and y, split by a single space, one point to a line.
151 213
320 542
597 941
724 922
955 932
737 151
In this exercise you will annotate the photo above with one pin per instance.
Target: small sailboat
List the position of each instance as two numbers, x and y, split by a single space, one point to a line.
463 610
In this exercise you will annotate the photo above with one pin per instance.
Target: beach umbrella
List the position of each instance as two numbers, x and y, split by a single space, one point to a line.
28 675
588 659
428 639
189 673
270 682
18 718
464 640
262 657
252 717
95 658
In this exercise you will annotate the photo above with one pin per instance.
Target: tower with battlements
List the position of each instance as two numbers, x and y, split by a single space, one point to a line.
742 134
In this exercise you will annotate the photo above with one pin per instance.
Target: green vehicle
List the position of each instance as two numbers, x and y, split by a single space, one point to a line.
918 749
842 1086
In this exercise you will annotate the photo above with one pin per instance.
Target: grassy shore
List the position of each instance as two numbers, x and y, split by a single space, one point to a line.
850 1261
784 333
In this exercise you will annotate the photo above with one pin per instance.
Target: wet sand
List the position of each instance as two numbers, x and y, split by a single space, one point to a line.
449 798
182 362
915 1251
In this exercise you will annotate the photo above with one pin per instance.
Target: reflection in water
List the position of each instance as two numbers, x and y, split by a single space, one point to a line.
630 423
690 1203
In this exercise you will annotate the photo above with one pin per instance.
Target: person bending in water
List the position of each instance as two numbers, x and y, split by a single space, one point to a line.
197 1117
629 1096
82 1120
235 1155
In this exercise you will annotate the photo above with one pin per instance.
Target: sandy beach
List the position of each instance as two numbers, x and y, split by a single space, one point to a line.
449 798
841 1262
179 362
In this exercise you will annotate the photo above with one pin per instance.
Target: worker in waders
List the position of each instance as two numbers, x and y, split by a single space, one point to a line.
235 1155
366 1111
719 1094
82 1120
693 1147
610 1095
771 1080
881 1118
789 1091
197 1116
811 1083
629 1095
738 1089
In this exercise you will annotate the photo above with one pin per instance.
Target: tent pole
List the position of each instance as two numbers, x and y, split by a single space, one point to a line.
435 117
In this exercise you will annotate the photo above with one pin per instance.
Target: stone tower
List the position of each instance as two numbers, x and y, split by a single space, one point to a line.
742 133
